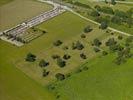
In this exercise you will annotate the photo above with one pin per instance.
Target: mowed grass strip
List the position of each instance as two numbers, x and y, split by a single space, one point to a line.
102 81
18 11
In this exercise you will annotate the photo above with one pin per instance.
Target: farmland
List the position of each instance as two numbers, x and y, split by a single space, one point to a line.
65 58
25 10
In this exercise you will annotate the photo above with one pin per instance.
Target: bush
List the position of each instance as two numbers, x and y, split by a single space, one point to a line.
103 25
120 37
116 20
97 42
83 56
60 76
43 63
96 49
57 43
45 73
87 29
83 36
66 56
104 53
30 57
55 56
79 45
61 63
95 13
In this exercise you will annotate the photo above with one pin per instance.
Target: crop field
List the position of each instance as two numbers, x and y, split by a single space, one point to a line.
26 9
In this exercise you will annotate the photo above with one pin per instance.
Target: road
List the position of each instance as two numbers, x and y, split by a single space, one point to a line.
85 18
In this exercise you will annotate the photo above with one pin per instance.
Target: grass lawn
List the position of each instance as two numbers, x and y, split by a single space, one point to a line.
102 81
2 2
15 85
18 11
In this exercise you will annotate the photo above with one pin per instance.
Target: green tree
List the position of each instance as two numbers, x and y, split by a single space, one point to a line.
30 57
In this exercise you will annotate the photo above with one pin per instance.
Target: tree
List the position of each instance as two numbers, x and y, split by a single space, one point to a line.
104 53
83 56
66 56
103 25
97 42
55 56
45 73
79 45
30 57
83 36
111 41
60 76
87 29
113 2
57 43
43 63
116 20
95 13
120 37
96 49
61 63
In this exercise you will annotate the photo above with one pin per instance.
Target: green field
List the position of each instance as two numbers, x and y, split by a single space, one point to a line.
102 81
3 2
21 80
15 85
18 11
60 29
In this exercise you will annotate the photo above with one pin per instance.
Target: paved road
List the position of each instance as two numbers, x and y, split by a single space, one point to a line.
69 9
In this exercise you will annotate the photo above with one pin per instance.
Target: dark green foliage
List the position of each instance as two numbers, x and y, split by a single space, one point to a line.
121 14
45 73
61 63
83 36
104 53
43 63
87 29
30 57
78 45
95 13
55 56
113 2
57 43
97 42
111 41
60 76
81 4
120 37
123 55
66 56
96 49
116 20
83 56
107 10
98 8
103 25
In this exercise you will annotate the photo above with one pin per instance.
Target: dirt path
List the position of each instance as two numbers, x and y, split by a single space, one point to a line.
69 9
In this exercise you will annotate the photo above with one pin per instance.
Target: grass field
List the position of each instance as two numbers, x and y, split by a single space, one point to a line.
26 9
15 85
102 81
60 28
3 2
20 80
